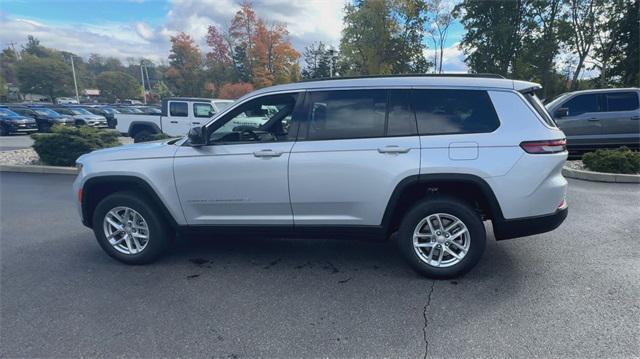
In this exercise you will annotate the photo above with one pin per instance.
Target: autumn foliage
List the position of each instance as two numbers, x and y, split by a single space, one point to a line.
234 90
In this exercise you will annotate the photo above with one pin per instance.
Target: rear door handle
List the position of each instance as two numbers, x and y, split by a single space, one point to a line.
195 123
635 118
393 149
267 153
593 119
173 121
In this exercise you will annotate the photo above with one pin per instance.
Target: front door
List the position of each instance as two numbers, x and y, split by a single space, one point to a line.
582 126
240 177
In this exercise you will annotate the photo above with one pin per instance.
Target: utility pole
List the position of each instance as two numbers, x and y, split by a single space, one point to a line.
75 83
144 94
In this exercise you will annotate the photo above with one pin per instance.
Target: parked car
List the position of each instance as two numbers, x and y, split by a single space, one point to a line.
106 112
430 158
594 119
129 110
178 115
66 101
83 117
11 122
45 118
149 110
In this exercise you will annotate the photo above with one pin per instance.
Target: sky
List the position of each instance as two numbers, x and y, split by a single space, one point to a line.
142 28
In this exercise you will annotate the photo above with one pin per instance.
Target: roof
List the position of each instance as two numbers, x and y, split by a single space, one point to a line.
404 81
603 90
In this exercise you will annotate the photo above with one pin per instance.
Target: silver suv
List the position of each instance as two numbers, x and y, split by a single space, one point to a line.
428 158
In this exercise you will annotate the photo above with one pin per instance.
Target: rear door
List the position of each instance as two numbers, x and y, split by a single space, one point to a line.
351 153
621 121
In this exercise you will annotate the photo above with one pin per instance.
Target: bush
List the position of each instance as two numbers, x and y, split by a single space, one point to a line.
153 137
622 160
64 145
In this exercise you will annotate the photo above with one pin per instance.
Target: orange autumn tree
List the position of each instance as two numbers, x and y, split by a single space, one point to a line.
275 61
184 74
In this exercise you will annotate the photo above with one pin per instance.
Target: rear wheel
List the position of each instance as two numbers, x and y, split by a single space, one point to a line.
129 229
142 136
442 237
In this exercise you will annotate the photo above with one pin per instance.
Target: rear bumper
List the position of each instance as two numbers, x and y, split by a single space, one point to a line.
521 227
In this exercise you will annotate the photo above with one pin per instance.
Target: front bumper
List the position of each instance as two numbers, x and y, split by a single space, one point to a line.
22 127
527 226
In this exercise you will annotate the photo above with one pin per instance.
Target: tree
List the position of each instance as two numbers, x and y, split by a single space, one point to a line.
49 76
34 48
118 85
241 33
318 60
234 90
617 52
583 15
383 37
274 59
185 70
161 90
220 62
8 63
495 31
441 19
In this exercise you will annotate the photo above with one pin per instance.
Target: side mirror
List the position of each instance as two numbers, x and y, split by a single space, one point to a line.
562 112
211 113
196 136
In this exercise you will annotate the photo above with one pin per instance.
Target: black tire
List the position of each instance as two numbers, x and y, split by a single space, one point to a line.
159 232
3 131
448 205
142 136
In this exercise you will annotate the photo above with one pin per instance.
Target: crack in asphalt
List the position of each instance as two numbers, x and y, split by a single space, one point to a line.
426 321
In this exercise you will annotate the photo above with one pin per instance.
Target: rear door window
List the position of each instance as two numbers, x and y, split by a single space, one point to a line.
401 121
346 114
178 109
202 109
441 112
583 104
622 101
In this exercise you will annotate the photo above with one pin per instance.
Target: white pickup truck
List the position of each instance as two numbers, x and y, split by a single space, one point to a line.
179 114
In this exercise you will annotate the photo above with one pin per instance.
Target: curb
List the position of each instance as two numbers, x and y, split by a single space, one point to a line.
39 169
600 176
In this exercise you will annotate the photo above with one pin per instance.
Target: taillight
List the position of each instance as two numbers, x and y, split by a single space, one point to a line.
539 147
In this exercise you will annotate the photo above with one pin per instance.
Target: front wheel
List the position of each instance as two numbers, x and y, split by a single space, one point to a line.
442 237
130 229
142 136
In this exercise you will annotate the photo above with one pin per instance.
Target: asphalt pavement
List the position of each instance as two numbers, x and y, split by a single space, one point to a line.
574 292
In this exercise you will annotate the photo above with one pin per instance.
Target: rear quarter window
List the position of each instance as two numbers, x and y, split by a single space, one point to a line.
442 112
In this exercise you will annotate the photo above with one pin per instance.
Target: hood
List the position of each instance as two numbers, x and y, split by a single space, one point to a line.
21 119
137 151
92 117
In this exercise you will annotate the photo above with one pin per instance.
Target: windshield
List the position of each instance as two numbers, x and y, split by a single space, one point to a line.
556 101
221 105
110 110
80 111
46 112
5 112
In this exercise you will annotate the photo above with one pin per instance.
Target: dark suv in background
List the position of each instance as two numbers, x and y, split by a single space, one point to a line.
601 118
45 117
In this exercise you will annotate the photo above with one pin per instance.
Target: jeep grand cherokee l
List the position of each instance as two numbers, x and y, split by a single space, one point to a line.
430 158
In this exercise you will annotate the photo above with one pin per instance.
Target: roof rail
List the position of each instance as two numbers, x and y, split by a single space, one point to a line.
480 75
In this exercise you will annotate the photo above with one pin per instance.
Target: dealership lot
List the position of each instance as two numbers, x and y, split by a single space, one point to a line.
569 293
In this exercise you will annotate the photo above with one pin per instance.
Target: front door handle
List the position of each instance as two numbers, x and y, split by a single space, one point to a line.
195 123
593 119
635 118
173 121
393 149
267 153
